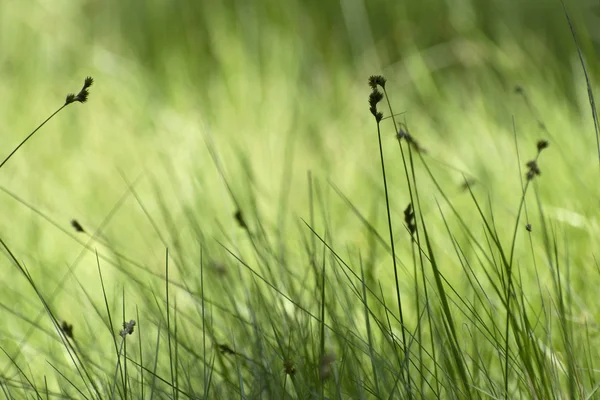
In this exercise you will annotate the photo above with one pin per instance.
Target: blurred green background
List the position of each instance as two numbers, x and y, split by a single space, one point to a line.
278 88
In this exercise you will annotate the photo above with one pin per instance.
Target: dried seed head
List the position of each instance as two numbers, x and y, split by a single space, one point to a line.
289 367
541 145
77 226
532 170
378 115
375 80
409 220
88 82
408 212
83 94
529 175
67 329
374 111
127 328
239 217
375 97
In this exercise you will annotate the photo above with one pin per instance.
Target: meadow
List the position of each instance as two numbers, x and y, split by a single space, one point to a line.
299 199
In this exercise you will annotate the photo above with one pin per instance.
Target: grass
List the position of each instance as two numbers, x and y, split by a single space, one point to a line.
285 243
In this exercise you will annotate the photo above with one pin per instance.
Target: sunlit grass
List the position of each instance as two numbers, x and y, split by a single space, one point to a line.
228 118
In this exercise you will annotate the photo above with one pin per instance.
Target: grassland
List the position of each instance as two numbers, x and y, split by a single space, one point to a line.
226 174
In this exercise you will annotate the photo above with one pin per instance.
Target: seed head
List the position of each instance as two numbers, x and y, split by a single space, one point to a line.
83 94
542 144
77 226
67 329
375 80
88 82
127 328
375 97
532 170
239 217
409 220
289 367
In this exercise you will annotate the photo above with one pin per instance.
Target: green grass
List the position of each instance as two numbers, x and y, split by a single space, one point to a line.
326 284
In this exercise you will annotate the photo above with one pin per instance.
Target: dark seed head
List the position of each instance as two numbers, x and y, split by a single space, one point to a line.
67 329
77 226
408 212
127 328
289 367
532 170
409 219
239 217
88 82
375 97
373 110
376 80
82 96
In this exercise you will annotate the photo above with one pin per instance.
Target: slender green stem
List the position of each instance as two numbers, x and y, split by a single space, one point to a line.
31 134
